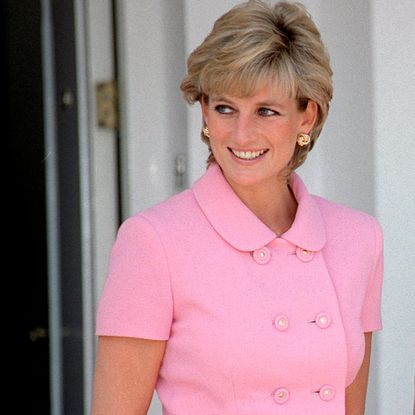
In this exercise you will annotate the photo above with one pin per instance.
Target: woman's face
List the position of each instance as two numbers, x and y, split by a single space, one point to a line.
253 138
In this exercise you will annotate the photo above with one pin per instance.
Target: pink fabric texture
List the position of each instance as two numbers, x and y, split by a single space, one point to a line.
256 323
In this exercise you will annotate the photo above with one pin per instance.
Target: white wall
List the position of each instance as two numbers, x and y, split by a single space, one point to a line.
393 35
345 149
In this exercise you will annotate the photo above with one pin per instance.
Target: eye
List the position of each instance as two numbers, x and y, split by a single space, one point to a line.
223 109
266 112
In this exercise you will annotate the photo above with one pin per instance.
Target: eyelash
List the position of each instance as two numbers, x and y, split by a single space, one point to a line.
225 110
270 112
220 108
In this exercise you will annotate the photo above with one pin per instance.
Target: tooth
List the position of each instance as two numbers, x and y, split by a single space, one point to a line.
248 155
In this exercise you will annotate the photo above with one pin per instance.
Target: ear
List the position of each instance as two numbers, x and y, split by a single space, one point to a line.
309 117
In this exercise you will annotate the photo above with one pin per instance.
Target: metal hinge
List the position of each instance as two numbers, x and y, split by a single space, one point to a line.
107 104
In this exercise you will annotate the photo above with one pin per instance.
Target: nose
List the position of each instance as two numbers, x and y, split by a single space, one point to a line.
243 130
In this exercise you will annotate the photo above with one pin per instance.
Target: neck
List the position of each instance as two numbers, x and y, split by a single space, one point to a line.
274 204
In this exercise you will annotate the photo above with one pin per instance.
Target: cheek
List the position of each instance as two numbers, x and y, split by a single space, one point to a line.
219 132
283 138
217 147
288 136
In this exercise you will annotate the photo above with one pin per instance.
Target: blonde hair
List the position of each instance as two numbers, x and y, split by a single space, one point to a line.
254 44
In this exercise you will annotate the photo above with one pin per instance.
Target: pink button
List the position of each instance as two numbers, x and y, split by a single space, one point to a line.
323 320
262 255
304 255
281 322
327 392
281 395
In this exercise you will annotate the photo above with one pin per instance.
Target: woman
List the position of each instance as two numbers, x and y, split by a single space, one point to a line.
245 294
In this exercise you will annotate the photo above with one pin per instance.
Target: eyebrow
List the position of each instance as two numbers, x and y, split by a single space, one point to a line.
221 98
270 104
260 104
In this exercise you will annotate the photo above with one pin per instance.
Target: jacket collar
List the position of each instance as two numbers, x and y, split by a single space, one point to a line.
239 226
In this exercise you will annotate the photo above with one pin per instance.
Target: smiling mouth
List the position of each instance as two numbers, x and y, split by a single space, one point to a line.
247 155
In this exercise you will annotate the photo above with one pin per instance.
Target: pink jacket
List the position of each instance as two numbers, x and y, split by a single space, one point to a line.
256 324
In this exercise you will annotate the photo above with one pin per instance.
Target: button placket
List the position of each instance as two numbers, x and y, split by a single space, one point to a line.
281 395
323 320
281 322
262 256
303 254
327 392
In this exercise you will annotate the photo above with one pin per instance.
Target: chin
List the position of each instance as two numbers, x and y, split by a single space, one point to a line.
245 180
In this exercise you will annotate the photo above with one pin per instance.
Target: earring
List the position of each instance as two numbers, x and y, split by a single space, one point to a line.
303 139
206 131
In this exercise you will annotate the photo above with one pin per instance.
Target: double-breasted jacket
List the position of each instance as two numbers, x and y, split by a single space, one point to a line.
256 323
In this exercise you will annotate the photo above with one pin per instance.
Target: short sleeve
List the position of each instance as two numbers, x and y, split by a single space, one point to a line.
371 312
137 299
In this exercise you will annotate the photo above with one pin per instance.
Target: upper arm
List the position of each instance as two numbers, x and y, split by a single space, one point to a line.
356 391
133 321
371 311
137 299
125 375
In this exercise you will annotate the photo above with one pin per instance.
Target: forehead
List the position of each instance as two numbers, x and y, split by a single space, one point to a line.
242 87
268 92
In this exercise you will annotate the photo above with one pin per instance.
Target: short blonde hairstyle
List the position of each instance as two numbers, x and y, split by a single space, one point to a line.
255 44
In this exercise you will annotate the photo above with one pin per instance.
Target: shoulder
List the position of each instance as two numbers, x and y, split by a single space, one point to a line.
344 214
340 218
175 212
